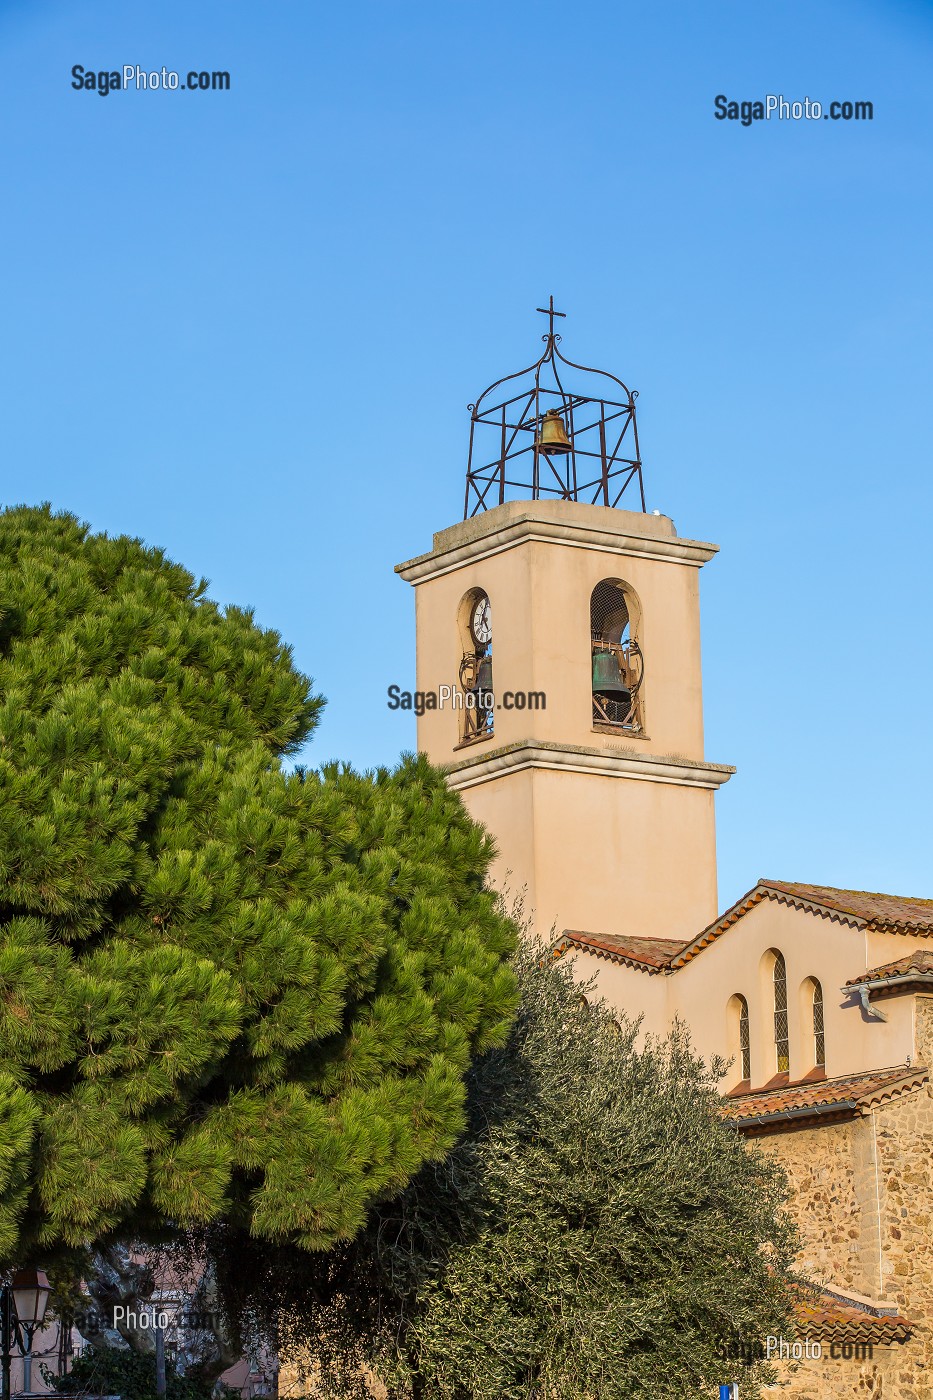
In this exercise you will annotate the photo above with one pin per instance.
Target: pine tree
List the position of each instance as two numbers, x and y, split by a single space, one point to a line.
227 991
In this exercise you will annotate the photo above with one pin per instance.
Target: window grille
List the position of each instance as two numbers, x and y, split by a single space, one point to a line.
781 1034
819 1034
745 1042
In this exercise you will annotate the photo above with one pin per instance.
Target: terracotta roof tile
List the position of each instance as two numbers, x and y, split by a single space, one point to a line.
882 910
650 954
920 962
858 907
821 1098
828 1314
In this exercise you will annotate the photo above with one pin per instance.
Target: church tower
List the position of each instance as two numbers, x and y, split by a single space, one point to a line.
558 648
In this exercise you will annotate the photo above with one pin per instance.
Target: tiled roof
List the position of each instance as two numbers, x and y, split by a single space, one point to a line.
878 910
862 910
920 962
649 954
770 1108
887 912
829 1314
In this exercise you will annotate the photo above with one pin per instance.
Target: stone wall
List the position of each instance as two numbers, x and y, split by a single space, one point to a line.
863 1200
827 1192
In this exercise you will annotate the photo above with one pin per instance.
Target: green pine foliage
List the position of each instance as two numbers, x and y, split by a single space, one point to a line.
227 991
598 1233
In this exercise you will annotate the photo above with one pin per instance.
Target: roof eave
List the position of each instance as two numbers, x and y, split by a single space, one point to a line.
846 1108
880 984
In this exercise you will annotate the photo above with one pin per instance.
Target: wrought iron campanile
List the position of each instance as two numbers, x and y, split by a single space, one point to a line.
547 441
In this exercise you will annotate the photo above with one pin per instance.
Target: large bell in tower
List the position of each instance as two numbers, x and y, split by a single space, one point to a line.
607 675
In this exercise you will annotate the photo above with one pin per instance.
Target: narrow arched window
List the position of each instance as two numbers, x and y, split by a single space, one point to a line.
819 1034
739 1039
781 1033
745 1040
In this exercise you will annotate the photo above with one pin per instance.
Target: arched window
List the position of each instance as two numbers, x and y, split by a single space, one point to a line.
476 702
617 660
745 1041
781 1029
819 1034
740 1042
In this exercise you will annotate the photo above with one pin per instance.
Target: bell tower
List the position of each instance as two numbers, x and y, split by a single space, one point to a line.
558 646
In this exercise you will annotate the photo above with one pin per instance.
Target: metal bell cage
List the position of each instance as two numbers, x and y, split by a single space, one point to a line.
550 442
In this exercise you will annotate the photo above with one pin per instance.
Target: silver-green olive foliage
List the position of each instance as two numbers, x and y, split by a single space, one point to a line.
599 1232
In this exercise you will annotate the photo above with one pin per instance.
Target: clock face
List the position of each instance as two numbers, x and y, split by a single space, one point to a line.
481 622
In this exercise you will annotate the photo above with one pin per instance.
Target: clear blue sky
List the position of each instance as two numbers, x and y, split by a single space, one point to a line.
246 325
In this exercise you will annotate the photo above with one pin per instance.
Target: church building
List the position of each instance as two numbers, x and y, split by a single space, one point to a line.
559 622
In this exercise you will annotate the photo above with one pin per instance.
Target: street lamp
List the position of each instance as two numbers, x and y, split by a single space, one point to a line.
22 1311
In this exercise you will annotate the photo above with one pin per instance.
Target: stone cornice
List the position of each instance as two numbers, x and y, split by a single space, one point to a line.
569 532
573 758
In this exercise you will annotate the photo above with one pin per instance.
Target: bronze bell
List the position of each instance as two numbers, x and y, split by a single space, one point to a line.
607 676
553 436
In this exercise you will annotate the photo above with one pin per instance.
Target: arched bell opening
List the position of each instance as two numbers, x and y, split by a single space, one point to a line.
617 661
476 703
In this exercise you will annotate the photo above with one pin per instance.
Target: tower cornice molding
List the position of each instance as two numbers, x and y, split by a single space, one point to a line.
569 524
575 758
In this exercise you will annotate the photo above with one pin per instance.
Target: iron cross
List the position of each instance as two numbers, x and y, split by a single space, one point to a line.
550 313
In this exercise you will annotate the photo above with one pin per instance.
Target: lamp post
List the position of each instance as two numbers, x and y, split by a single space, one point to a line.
22 1310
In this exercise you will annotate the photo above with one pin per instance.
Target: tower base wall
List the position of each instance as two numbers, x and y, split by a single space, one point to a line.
592 849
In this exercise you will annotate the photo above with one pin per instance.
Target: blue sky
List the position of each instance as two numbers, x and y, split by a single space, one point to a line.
246 326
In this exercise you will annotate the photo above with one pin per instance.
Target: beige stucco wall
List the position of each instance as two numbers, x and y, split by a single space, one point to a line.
603 854
507 810
737 962
637 994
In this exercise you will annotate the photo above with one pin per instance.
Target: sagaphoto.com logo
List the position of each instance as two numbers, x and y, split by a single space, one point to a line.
131 77
777 107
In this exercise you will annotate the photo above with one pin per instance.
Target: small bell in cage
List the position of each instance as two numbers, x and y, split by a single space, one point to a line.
553 436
